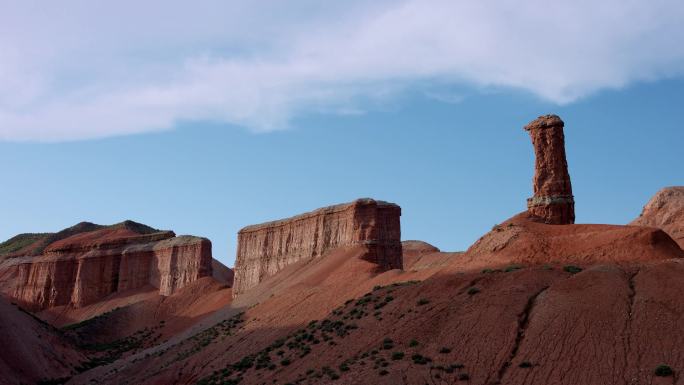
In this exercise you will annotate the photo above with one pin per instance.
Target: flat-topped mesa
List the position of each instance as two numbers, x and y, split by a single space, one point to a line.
86 263
552 202
267 248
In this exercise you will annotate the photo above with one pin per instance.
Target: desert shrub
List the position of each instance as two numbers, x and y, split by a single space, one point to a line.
419 359
330 373
285 362
413 343
572 269
525 364
383 372
473 290
512 268
397 356
422 302
463 377
445 350
663 371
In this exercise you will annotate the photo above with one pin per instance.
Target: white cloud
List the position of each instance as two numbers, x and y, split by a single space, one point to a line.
83 69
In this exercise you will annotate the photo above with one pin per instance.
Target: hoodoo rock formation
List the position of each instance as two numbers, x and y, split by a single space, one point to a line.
665 211
77 268
552 202
267 248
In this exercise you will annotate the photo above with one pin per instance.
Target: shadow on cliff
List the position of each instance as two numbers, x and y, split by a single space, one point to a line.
523 325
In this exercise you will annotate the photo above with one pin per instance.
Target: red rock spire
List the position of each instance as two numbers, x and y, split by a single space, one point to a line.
552 202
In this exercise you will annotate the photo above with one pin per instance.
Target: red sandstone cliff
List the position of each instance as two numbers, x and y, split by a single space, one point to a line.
266 248
86 266
665 211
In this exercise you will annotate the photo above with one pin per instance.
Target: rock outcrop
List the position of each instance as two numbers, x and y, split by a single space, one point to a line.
552 202
88 265
665 211
265 249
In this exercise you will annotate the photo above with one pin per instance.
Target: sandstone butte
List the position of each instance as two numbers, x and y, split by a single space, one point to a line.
267 248
87 262
552 202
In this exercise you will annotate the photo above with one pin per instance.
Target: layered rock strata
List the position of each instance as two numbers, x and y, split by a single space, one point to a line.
552 202
267 248
86 267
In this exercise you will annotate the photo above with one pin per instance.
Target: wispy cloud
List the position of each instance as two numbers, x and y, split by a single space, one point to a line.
79 70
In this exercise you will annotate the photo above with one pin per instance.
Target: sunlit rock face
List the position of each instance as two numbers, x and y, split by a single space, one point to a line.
267 248
87 266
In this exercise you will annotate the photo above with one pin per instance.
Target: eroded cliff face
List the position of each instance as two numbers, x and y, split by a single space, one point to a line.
267 248
665 211
88 266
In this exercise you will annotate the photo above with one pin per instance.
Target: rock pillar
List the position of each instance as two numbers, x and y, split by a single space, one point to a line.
552 202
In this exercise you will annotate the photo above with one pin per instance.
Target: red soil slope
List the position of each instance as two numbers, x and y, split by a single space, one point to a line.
612 319
520 240
125 313
31 350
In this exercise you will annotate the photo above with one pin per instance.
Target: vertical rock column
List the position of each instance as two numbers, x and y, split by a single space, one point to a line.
552 202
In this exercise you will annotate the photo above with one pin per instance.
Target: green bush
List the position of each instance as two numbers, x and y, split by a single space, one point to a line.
473 290
572 269
397 356
419 359
513 268
422 302
663 371
413 343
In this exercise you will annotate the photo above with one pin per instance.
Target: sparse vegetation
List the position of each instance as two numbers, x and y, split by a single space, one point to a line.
397 356
54 381
413 343
511 268
422 302
663 371
419 359
525 364
572 269
445 350
473 290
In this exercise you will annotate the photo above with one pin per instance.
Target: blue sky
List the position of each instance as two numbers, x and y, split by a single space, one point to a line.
199 122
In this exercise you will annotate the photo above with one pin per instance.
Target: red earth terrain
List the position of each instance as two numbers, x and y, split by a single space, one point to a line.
528 303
